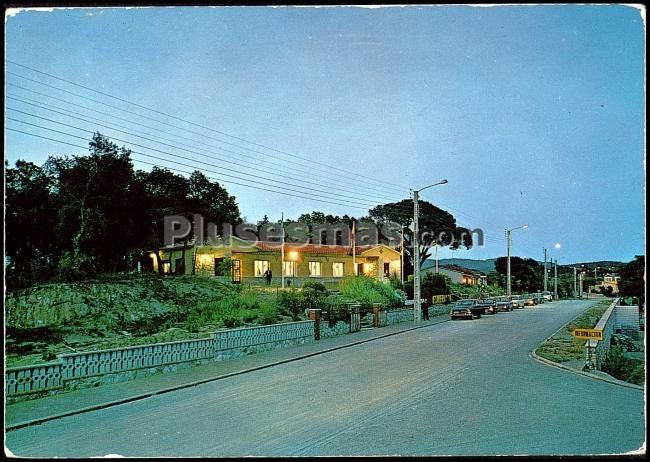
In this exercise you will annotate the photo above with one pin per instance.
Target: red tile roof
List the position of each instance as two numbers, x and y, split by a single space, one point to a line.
460 269
311 248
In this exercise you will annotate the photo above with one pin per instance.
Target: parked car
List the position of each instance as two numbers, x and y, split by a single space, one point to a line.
504 304
528 300
517 301
465 309
548 296
489 305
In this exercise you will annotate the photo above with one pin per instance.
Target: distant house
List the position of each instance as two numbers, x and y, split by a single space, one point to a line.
460 275
250 260
609 280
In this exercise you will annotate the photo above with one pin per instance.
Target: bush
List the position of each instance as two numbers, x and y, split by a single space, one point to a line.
313 295
395 282
622 368
367 290
291 303
268 313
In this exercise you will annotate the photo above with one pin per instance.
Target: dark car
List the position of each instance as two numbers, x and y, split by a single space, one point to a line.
504 304
465 309
528 300
539 298
489 305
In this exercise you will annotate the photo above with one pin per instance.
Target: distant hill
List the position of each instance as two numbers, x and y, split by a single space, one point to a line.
485 266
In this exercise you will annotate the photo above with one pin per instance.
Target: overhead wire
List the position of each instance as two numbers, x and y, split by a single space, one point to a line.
44 106
312 161
165 123
311 184
190 166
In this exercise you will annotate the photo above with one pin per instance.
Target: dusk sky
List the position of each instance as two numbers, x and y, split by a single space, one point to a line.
535 114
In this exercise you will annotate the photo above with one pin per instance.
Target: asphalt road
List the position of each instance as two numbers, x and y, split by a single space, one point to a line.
456 388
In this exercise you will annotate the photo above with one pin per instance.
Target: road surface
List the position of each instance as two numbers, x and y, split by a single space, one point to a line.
455 388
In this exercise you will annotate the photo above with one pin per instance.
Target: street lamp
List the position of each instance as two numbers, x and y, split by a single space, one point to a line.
417 309
508 233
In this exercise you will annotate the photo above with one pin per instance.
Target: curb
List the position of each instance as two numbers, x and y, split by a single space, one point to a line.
96 407
586 374
548 362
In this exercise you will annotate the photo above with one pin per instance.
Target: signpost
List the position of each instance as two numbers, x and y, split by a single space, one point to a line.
588 334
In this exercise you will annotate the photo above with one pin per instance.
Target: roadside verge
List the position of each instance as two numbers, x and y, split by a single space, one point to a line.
560 335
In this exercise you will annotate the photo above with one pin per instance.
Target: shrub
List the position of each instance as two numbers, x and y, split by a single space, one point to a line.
366 290
313 295
291 303
268 313
621 367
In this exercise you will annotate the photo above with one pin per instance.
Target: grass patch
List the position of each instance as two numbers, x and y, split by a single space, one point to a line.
562 347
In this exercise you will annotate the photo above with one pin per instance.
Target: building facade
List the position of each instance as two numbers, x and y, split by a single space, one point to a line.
247 261
460 275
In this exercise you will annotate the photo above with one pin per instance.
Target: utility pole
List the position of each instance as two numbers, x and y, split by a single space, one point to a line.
555 281
508 242
417 309
401 260
509 282
282 264
575 289
580 282
545 273
436 257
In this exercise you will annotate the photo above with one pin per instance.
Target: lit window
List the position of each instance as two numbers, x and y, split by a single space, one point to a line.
315 268
289 268
337 269
260 267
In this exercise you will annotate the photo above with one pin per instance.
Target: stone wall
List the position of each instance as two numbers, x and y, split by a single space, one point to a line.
399 315
340 328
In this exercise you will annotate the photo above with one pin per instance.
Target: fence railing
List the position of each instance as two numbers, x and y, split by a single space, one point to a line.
72 367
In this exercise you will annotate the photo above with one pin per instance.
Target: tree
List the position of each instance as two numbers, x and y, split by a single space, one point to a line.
436 226
632 282
99 216
526 273
31 242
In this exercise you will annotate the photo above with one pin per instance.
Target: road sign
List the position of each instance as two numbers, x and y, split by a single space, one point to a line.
588 334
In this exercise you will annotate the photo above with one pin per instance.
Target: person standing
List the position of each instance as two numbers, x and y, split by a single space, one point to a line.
269 275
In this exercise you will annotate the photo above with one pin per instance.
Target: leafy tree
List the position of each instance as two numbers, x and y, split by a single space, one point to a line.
166 194
32 246
99 215
526 273
632 282
436 226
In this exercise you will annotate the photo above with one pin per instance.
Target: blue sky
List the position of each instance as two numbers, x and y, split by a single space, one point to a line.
535 114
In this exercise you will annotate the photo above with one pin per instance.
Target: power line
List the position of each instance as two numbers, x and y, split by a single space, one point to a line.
312 198
364 206
181 148
68 113
180 119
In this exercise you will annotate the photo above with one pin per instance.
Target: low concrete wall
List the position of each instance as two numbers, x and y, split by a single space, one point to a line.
595 350
91 368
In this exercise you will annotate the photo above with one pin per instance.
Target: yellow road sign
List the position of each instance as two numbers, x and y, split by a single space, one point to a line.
588 334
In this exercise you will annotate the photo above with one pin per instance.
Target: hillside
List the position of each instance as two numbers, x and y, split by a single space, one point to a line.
485 266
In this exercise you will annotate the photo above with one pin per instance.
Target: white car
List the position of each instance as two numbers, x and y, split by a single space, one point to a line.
548 297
